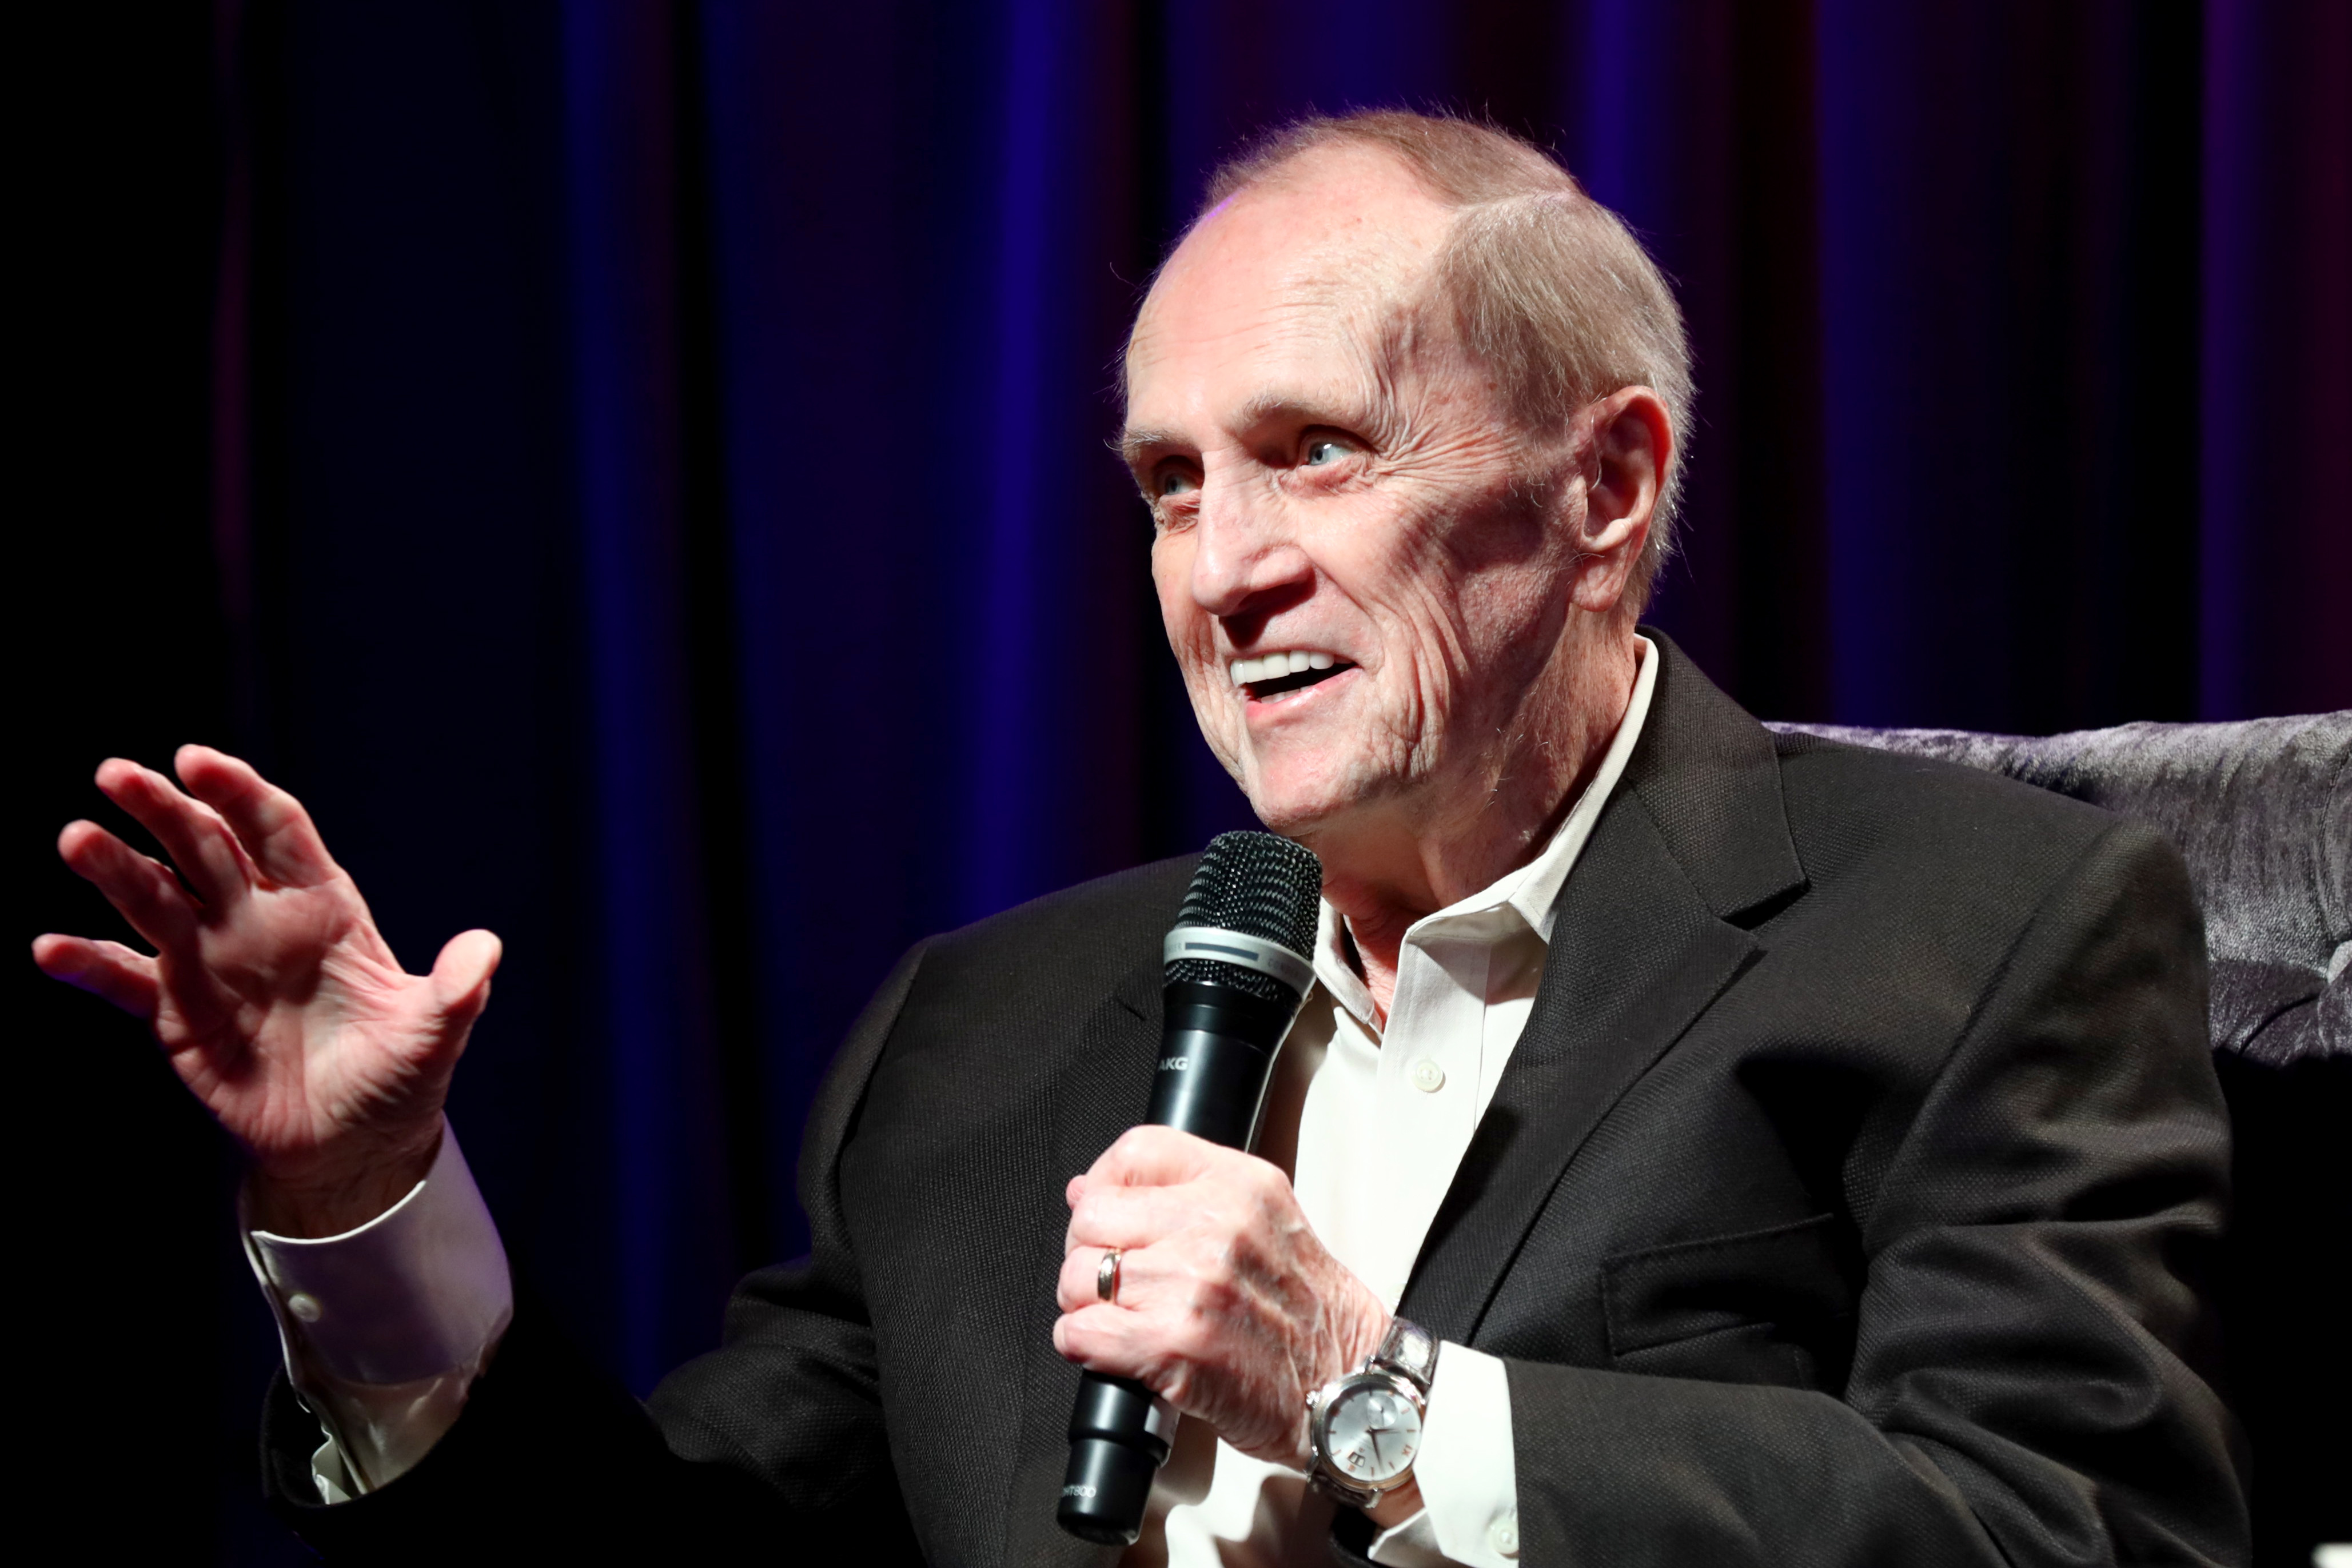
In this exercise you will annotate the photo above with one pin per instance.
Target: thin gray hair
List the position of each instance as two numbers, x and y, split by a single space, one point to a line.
1548 286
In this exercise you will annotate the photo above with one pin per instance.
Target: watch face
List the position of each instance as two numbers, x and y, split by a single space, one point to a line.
1372 1433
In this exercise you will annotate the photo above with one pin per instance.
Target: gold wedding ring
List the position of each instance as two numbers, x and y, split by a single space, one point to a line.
1106 1278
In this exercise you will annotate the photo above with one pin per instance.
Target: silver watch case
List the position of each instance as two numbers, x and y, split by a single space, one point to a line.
1327 1474
1403 1365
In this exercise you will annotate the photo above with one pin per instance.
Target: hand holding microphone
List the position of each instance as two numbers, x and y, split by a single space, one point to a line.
1227 1303
1227 1307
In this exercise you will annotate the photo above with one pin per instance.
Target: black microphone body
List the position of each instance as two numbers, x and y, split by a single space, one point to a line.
1216 1057
1231 995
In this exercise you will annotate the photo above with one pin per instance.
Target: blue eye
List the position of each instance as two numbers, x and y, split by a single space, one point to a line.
1323 449
1175 482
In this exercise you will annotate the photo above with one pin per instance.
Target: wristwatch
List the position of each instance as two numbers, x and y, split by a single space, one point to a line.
1364 1428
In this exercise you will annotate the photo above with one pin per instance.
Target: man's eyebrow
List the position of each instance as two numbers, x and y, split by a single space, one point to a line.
1288 408
1135 441
1268 408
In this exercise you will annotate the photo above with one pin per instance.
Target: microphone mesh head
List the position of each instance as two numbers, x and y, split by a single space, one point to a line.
1262 886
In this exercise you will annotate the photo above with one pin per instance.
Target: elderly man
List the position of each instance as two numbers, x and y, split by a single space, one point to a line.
1792 1154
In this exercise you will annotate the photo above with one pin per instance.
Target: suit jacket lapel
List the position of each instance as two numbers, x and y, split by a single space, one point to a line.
1635 957
1650 930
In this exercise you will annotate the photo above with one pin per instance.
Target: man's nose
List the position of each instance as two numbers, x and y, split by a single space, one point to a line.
1244 556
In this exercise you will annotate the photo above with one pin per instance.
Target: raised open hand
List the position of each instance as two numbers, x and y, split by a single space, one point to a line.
271 989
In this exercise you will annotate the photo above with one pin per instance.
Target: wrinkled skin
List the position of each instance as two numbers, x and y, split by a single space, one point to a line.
1328 469
1227 1303
1331 472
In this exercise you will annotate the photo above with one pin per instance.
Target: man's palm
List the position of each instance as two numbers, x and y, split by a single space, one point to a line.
279 1001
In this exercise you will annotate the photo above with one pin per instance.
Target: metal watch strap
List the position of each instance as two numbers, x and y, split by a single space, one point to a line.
1410 1351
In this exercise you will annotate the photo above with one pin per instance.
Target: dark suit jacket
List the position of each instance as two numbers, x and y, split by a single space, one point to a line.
1843 1203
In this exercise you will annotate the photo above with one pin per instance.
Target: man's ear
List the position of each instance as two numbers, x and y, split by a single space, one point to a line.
1629 440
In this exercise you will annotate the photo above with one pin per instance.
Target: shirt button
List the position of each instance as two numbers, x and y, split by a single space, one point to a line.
1427 1076
1503 1535
305 1306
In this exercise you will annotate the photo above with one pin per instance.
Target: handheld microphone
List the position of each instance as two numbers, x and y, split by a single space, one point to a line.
1236 975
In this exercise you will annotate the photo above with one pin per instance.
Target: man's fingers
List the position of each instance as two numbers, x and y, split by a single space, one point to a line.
461 975
191 832
104 969
1145 1277
1134 1216
148 897
1157 1156
1100 1338
270 824
1077 1285
1120 1343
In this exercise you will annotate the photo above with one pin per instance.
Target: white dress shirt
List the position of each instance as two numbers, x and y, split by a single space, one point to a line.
386 1326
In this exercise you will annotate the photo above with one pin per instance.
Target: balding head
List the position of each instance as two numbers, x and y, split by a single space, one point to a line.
1541 283
1286 270
1396 564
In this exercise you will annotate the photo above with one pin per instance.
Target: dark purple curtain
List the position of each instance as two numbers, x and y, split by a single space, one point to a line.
638 471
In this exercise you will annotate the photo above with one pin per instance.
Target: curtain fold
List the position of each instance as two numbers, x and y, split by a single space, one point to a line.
625 142
712 401
663 510
2274 556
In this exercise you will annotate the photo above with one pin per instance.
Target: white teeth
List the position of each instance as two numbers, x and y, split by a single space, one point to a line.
1274 666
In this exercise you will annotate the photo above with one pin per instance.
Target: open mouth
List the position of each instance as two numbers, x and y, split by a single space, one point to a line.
1271 677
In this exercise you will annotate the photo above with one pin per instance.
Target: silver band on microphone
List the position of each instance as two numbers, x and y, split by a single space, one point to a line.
1217 945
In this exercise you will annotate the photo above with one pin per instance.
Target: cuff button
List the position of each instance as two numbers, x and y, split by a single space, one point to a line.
305 1306
1503 1535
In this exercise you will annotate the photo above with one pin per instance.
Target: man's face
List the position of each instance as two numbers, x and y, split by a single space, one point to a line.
1356 551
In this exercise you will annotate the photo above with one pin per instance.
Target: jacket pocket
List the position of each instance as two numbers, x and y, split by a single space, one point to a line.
1760 1306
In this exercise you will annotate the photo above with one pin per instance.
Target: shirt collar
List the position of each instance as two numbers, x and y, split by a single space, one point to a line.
1534 889
1530 891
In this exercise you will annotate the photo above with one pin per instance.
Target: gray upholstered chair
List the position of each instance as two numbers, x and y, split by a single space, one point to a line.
2262 809
2263 812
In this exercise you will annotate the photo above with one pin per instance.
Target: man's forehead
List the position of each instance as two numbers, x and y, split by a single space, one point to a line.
1339 241
1312 228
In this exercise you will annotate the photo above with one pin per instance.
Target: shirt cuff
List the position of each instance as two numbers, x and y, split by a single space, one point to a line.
1469 1489
415 1292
